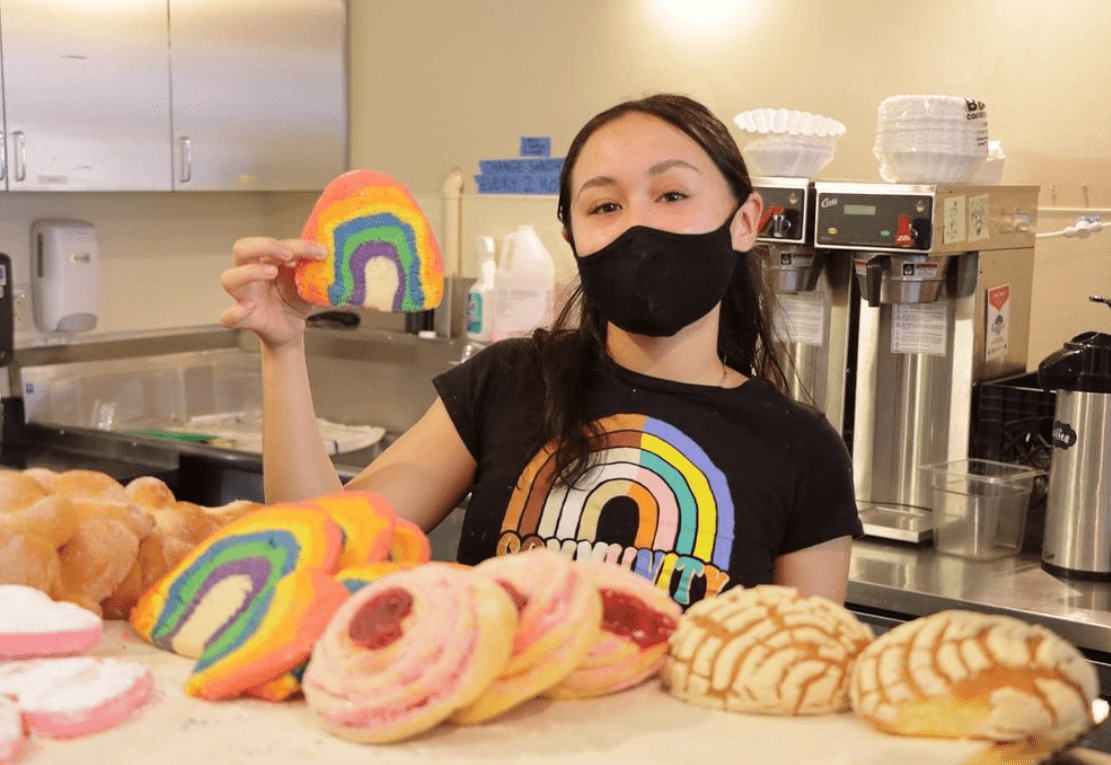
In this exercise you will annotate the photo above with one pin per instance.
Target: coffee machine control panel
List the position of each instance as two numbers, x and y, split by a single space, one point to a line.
874 221
788 212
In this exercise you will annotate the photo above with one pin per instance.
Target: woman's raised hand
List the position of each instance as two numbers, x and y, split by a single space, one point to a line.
261 281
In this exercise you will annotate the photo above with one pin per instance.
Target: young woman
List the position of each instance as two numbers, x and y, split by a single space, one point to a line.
643 427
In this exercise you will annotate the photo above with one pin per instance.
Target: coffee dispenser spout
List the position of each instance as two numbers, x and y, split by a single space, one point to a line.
873 278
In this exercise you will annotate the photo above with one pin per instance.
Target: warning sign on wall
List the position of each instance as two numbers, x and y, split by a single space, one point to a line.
998 317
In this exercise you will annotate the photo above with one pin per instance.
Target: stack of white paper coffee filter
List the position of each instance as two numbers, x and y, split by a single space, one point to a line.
785 142
930 139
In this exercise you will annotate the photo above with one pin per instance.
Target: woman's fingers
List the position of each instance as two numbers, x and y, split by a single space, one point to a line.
264 249
240 280
305 249
234 315
255 249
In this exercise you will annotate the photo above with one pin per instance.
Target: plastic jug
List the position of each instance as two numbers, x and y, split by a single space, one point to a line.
524 284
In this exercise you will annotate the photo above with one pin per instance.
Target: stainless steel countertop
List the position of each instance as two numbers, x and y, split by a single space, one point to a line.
914 580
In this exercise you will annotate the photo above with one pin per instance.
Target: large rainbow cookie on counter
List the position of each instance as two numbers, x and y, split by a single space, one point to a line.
250 601
381 251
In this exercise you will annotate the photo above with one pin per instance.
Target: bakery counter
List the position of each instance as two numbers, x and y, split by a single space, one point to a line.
891 581
197 472
643 725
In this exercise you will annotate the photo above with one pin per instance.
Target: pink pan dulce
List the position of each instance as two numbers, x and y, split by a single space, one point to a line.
73 696
31 625
12 735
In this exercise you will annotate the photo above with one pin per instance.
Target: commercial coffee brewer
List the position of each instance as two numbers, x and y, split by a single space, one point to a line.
812 286
945 279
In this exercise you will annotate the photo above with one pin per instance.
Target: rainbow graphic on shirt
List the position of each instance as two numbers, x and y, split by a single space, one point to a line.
381 251
681 501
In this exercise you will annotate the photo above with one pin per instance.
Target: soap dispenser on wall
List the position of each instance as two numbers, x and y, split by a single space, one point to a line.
65 275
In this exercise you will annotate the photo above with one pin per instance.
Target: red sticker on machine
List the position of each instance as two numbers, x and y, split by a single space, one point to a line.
998 296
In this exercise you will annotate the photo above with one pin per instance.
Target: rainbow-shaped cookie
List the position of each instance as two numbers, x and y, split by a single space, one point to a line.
367 520
381 251
250 601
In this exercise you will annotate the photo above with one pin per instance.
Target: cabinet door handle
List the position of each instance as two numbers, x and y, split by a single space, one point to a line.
19 158
3 155
186 171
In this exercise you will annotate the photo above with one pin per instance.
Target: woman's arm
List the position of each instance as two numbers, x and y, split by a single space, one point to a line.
295 464
425 472
822 569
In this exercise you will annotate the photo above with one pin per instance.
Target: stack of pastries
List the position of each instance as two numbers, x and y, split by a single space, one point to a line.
952 674
444 642
83 537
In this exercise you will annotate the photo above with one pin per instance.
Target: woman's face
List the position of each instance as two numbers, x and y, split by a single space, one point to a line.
641 170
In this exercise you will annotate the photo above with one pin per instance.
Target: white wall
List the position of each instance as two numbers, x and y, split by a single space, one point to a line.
437 84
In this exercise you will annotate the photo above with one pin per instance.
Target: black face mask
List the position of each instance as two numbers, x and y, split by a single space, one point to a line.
653 282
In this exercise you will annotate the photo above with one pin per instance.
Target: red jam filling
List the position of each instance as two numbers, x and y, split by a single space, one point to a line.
629 617
377 623
519 598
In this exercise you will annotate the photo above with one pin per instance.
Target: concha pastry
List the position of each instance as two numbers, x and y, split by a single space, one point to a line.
766 649
962 674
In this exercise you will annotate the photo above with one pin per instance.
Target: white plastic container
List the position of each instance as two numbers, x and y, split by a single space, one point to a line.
524 284
480 297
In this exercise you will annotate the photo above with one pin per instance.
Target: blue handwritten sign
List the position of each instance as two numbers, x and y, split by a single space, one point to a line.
536 146
518 183
526 165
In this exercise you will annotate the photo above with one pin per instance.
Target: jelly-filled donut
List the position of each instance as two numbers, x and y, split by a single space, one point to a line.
381 251
560 613
638 619
407 650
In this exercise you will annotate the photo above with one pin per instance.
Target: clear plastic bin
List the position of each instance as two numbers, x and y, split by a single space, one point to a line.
979 507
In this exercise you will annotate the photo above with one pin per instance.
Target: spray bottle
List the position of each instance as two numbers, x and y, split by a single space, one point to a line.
480 297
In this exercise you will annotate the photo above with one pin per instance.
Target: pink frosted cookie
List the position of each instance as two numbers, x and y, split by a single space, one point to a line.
31 624
72 696
638 618
560 613
353 579
407 650
12 734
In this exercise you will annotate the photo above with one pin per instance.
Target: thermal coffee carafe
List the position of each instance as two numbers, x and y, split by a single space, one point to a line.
945 277
812 286
1077 539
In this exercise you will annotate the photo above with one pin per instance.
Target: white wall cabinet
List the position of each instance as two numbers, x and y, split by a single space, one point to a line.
86 95
259 93
154 95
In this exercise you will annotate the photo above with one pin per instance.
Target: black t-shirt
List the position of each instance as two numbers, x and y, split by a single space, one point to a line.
697 488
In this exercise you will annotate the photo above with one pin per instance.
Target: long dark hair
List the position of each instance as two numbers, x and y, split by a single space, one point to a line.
574 350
